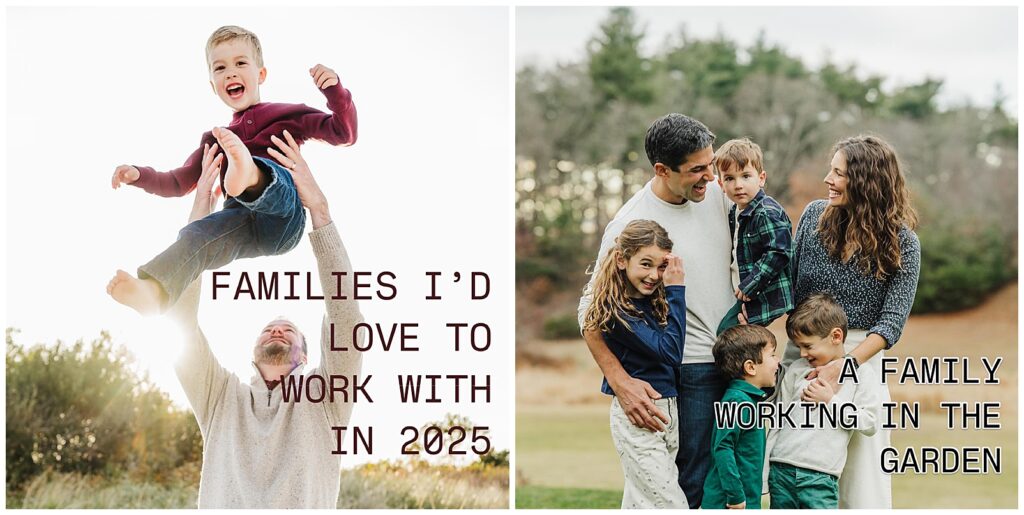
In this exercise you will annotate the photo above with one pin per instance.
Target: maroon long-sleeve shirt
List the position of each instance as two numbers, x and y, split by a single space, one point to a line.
254 127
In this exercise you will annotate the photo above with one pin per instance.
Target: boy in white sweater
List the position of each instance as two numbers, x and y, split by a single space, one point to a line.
809 455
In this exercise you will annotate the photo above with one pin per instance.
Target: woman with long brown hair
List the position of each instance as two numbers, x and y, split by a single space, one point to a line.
859 245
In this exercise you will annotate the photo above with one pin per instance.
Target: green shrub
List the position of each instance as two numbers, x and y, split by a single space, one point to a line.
81 409
528 269
560 327
961 266
494 459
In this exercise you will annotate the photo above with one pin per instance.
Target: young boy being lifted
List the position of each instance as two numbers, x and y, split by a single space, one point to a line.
262 215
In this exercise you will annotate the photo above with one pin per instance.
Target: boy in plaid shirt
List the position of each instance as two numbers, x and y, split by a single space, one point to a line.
762 246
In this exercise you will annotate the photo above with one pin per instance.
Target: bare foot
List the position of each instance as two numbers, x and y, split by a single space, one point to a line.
142 295
242 172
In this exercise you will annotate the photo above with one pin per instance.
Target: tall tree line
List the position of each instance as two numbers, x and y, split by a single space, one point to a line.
579 146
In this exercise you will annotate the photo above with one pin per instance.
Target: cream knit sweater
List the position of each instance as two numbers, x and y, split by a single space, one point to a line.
259 451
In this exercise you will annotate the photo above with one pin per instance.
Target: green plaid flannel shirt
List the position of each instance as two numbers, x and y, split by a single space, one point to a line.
764 253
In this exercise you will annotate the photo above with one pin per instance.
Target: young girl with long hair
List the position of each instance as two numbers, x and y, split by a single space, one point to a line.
639 307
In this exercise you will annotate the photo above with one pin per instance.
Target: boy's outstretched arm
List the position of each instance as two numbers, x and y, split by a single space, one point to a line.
340 127
124 174
172 183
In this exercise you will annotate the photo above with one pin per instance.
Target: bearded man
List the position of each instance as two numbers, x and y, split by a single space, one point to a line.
260 451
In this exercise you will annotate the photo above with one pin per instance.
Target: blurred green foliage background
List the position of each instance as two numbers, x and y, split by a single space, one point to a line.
579 154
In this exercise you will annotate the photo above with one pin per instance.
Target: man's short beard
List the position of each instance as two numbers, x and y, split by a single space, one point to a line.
273 354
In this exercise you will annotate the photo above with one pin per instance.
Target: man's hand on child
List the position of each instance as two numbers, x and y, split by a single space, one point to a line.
208 187
828 374
124 174
309 191
740 506
817 391
635 397
323 76
740 295
674 273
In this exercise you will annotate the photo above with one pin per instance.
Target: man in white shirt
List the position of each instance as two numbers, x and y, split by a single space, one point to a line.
684 198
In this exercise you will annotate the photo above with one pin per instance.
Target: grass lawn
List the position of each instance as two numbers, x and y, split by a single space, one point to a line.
567 447
566 458
958 490
545 497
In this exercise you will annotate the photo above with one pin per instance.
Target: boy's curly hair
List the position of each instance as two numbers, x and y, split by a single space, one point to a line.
738 344
231 33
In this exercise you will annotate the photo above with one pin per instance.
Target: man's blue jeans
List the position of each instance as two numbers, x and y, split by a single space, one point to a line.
700 386
270 225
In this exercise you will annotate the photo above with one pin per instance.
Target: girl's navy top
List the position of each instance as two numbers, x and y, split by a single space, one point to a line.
647 350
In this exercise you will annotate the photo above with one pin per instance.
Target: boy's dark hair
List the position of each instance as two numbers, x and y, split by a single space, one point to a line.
673 137
739 152
817 315
739 343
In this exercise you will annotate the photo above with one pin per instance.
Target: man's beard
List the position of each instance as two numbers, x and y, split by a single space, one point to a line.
273 354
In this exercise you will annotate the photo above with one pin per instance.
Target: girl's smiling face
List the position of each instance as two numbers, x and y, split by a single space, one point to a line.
643 270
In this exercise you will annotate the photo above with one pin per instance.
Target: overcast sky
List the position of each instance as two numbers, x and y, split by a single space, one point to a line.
970 48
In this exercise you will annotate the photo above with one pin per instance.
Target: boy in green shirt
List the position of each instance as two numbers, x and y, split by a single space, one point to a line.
746 354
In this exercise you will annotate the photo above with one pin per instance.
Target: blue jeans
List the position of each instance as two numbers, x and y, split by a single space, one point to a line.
270 225
700 386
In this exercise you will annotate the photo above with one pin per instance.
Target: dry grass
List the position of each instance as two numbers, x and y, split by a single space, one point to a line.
376 485
417 485
51 490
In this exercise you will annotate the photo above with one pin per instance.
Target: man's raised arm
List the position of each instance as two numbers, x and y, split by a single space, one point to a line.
332 262
342 314
201 375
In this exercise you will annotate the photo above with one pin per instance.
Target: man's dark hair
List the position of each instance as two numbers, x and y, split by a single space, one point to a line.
817 315
737 344
673 137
